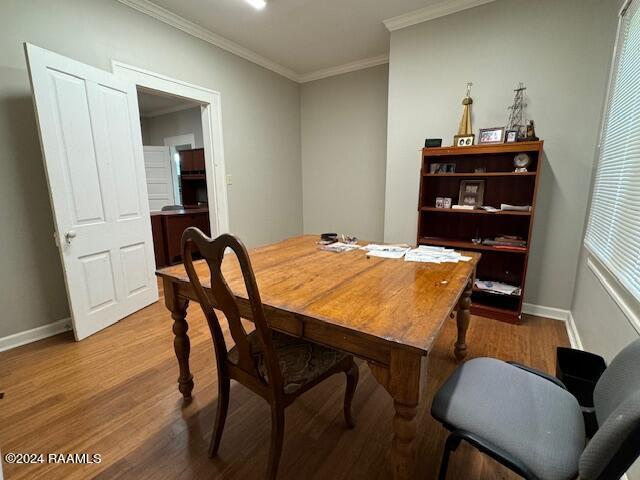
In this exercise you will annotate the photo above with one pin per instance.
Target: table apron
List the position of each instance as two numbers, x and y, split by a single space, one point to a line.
315 330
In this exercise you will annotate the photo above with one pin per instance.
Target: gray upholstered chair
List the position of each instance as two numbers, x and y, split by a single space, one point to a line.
526 420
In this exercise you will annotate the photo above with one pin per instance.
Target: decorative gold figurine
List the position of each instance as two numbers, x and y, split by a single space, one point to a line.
465 122
465 136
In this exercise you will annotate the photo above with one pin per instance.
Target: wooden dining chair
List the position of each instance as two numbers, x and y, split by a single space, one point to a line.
276 366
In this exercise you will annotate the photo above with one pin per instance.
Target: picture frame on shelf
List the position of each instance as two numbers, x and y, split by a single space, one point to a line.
464 140
471 193
491 135
442 168
432 142
439 202
447 201
511 136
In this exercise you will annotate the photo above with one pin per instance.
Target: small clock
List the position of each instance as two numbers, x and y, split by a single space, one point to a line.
521 161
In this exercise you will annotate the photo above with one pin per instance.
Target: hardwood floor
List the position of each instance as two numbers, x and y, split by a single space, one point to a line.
115 394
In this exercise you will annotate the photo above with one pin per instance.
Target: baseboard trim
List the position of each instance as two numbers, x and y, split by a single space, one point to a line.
35 334
572 331
547 312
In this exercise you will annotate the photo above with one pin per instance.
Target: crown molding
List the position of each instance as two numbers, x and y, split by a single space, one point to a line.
170 18
344 68
440 9
164 111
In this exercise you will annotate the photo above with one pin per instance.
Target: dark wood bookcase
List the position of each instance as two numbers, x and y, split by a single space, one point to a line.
456 228
193 183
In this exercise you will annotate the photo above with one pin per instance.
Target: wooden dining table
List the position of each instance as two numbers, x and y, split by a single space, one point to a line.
388 312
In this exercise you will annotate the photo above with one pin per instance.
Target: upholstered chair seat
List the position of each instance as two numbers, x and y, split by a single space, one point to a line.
300 362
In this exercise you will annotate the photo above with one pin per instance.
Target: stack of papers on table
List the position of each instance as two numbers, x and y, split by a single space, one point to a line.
429 254
339 247
386 251
497 287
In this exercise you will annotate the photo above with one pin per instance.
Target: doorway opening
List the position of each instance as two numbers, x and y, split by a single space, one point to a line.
175 168
184 161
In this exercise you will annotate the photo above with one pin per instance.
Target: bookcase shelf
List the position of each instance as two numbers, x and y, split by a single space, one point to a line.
482 174
484 149
462 245
474 212
456 228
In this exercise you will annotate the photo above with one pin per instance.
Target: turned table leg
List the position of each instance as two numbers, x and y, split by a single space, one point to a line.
462 319
181 344
402 380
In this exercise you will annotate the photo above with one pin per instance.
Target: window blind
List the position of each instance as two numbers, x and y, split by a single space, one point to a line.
613 229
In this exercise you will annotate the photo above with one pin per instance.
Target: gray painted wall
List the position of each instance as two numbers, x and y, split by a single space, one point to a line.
561 51
344 139
261 128
601 323
156 129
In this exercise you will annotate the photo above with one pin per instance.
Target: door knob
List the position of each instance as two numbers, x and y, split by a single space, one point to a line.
70 235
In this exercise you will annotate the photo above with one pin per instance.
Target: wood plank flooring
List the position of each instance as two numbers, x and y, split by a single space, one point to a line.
115 394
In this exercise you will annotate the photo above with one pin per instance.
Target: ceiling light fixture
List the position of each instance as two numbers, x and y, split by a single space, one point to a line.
257 4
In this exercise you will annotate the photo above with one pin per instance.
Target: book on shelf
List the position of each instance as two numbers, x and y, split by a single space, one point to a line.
504 207
463 207
515 208
498 288
505 241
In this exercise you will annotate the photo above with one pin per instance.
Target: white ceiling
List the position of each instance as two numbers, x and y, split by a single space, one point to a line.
301 39
154 104
302 35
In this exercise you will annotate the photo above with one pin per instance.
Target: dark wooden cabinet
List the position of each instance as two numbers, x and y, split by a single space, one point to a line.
158 240
193 183
175 225
167 228
446 227
192 160
198 160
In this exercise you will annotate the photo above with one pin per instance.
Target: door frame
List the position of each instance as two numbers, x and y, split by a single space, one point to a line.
211 132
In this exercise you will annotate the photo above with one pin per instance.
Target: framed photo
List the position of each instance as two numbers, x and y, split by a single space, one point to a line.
442 168
511 136
439 202
471 193
447 202
464 140
492 135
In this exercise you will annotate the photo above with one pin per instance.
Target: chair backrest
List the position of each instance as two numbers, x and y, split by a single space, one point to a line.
616 444
213 252
167 208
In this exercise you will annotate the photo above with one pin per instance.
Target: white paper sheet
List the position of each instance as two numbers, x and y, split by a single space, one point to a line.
386 251
429 254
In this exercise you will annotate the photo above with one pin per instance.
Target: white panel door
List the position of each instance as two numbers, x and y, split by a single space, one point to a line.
157 166
92 149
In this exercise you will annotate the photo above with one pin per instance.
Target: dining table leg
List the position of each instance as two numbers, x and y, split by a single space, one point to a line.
177 305
463 318
401 379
